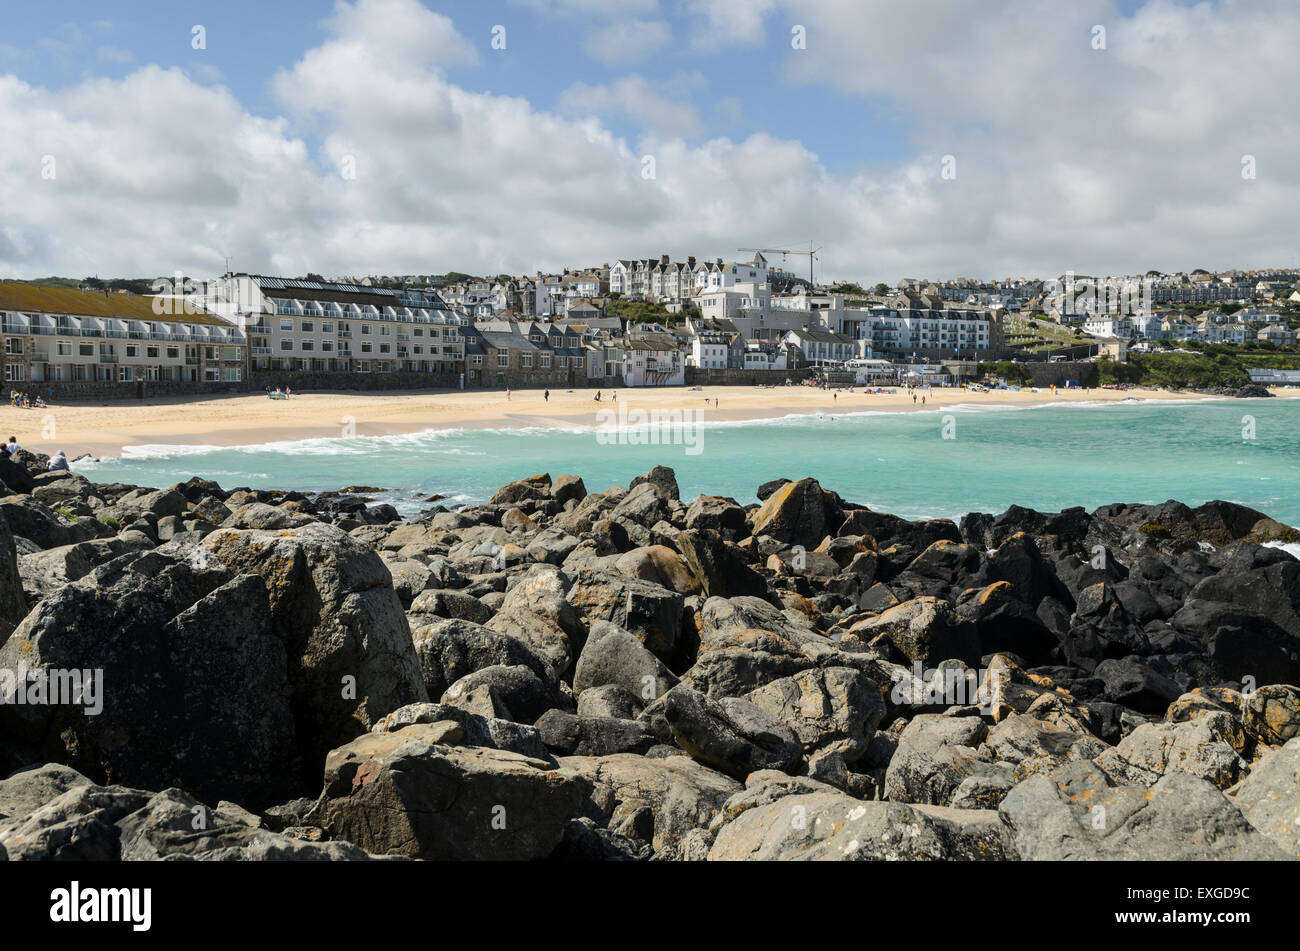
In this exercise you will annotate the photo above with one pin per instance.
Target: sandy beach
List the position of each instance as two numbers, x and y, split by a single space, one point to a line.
108 428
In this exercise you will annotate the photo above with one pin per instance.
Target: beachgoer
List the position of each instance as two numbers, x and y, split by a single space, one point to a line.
507 394
546 395
59 463
12 446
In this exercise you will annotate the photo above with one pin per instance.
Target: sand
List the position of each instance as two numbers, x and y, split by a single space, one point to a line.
108 428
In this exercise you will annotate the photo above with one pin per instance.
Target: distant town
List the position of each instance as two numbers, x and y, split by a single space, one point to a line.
631 323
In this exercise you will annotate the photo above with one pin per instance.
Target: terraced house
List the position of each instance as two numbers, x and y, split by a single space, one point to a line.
69 336
505 353
297 326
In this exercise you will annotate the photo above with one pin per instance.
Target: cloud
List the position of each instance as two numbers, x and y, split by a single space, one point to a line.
603 8
717 24
627 41
635 98
1100 160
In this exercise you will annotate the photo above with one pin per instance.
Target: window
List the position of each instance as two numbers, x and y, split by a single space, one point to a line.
365 329
212 375
124 374
327 328
86 349
503 358
384 348
173 353
132 350
526 361
64 349
232 374
476 360
286 325
15 371
151 352
366 346
308 345
546 361
14 345
385 330
286 344
307 326
327 346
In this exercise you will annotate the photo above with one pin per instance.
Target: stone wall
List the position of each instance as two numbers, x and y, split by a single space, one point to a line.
1056 374
322 380
61 391
709 376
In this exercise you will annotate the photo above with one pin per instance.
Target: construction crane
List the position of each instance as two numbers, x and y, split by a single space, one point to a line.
811 252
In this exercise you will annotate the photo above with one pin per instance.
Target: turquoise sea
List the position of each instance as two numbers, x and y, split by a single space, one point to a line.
1047 458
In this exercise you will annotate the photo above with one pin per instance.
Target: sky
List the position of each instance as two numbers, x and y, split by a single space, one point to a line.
927 139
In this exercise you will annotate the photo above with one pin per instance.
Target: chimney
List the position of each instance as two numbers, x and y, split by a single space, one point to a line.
691 260
663 260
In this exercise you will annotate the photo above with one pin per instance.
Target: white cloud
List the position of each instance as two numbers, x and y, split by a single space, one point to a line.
624 42
601 8
718 24
635 98
1127 158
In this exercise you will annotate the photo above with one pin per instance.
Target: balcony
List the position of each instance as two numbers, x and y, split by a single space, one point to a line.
108 358
15 329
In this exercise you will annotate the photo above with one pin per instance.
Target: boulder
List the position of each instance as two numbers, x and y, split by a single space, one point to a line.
351 656
185 680
1074 812
403 793
827 825
677 795
834 709
1269 797
798 513
650 611
731 735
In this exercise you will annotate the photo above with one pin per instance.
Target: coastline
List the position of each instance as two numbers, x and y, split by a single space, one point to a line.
111 428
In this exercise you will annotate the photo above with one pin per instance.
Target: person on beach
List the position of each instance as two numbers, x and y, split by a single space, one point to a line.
59 463
507 394
12 446
546 395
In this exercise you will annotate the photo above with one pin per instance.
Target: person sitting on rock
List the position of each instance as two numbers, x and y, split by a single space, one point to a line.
59 463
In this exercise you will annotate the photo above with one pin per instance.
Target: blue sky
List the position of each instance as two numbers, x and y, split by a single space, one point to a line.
737 91
1066 154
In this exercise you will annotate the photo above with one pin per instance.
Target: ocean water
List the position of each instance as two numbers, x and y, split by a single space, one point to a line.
943 462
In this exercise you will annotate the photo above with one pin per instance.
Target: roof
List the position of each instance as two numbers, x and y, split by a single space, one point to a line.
287 288
49 299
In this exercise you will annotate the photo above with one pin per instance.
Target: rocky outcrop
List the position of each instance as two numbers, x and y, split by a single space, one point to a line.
627 675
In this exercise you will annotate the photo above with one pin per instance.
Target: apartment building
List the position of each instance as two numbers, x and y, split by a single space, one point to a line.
65 335
298 326
911 328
